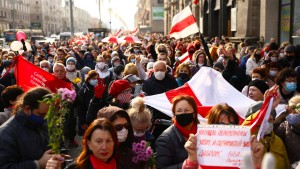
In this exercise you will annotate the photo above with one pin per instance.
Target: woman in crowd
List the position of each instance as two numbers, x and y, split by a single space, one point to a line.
170 144
85 95
289 130
254 61
71 73
222 114
183 74
121 121
100 143
140 117
200 60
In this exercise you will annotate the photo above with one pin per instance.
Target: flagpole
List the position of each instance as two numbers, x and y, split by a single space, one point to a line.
206 49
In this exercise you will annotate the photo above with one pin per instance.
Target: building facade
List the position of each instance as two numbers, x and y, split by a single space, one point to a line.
241 19
150 16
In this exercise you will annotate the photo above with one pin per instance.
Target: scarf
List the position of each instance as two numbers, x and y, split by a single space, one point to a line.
186 133
98 164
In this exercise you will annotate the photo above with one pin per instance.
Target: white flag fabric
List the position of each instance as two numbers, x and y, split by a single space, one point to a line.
183 24
208 87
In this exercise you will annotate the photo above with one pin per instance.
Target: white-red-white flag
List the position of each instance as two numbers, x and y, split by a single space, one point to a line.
184 58
183 24
118 33
208 87
135 31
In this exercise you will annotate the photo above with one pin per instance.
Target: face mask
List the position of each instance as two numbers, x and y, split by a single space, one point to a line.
273 59
50 60
159 75
197 46
37 119
169 53
122 135
281 55
70 67
161 50
200 64
46 69
293 119
290 86
138 133
101 65
124 97
133 60
176 58
269 128
135 50
151 60
254 79
183 76
273 73
184 119
94 82
116 64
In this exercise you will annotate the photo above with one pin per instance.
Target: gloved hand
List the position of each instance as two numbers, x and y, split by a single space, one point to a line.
99 89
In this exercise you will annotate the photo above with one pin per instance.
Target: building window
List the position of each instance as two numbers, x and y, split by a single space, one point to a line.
36 2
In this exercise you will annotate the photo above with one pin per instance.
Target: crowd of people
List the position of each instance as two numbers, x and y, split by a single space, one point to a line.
110 113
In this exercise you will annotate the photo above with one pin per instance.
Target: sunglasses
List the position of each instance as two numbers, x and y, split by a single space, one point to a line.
119 127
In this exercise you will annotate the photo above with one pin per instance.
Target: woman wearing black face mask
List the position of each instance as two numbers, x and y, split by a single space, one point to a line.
170 144
183 74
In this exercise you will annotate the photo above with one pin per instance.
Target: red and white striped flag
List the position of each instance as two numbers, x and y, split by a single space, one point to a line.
208 87
135 31
118 33
183 24
184 58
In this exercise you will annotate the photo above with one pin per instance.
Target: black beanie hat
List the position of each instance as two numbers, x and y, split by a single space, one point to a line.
261 85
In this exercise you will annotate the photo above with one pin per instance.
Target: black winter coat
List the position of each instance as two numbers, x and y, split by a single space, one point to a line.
152 86
22 142
170 149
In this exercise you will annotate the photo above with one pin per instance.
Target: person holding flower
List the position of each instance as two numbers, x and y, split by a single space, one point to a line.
170 144
100 143
24 137
71 73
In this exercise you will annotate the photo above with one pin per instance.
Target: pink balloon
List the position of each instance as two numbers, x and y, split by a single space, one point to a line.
20 35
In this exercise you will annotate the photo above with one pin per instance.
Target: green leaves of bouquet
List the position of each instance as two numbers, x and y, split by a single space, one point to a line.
58 102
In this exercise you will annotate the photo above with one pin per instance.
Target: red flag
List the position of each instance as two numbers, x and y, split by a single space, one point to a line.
28 76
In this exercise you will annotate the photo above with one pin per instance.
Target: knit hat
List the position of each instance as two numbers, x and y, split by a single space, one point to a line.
261 85
113 59
150 65
85 70
219 65
256 107
71 59
118 86
290 48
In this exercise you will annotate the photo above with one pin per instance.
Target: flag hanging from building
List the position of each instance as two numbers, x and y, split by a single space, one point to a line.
183 24
28 75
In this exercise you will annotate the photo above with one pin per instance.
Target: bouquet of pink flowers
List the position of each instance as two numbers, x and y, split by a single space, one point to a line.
55 117
143 153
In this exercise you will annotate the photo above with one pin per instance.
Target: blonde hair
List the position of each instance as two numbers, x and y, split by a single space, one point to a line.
131 68
138 112
294 101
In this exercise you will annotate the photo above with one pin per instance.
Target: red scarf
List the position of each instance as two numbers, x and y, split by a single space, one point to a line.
186 133
98 164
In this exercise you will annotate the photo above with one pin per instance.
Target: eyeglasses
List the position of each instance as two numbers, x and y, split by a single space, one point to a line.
119 127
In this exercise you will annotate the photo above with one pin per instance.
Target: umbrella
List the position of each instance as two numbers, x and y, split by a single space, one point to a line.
129 39
111 39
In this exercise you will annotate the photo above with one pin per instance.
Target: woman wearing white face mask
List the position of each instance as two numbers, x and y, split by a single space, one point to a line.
121 121
71 73
140 117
